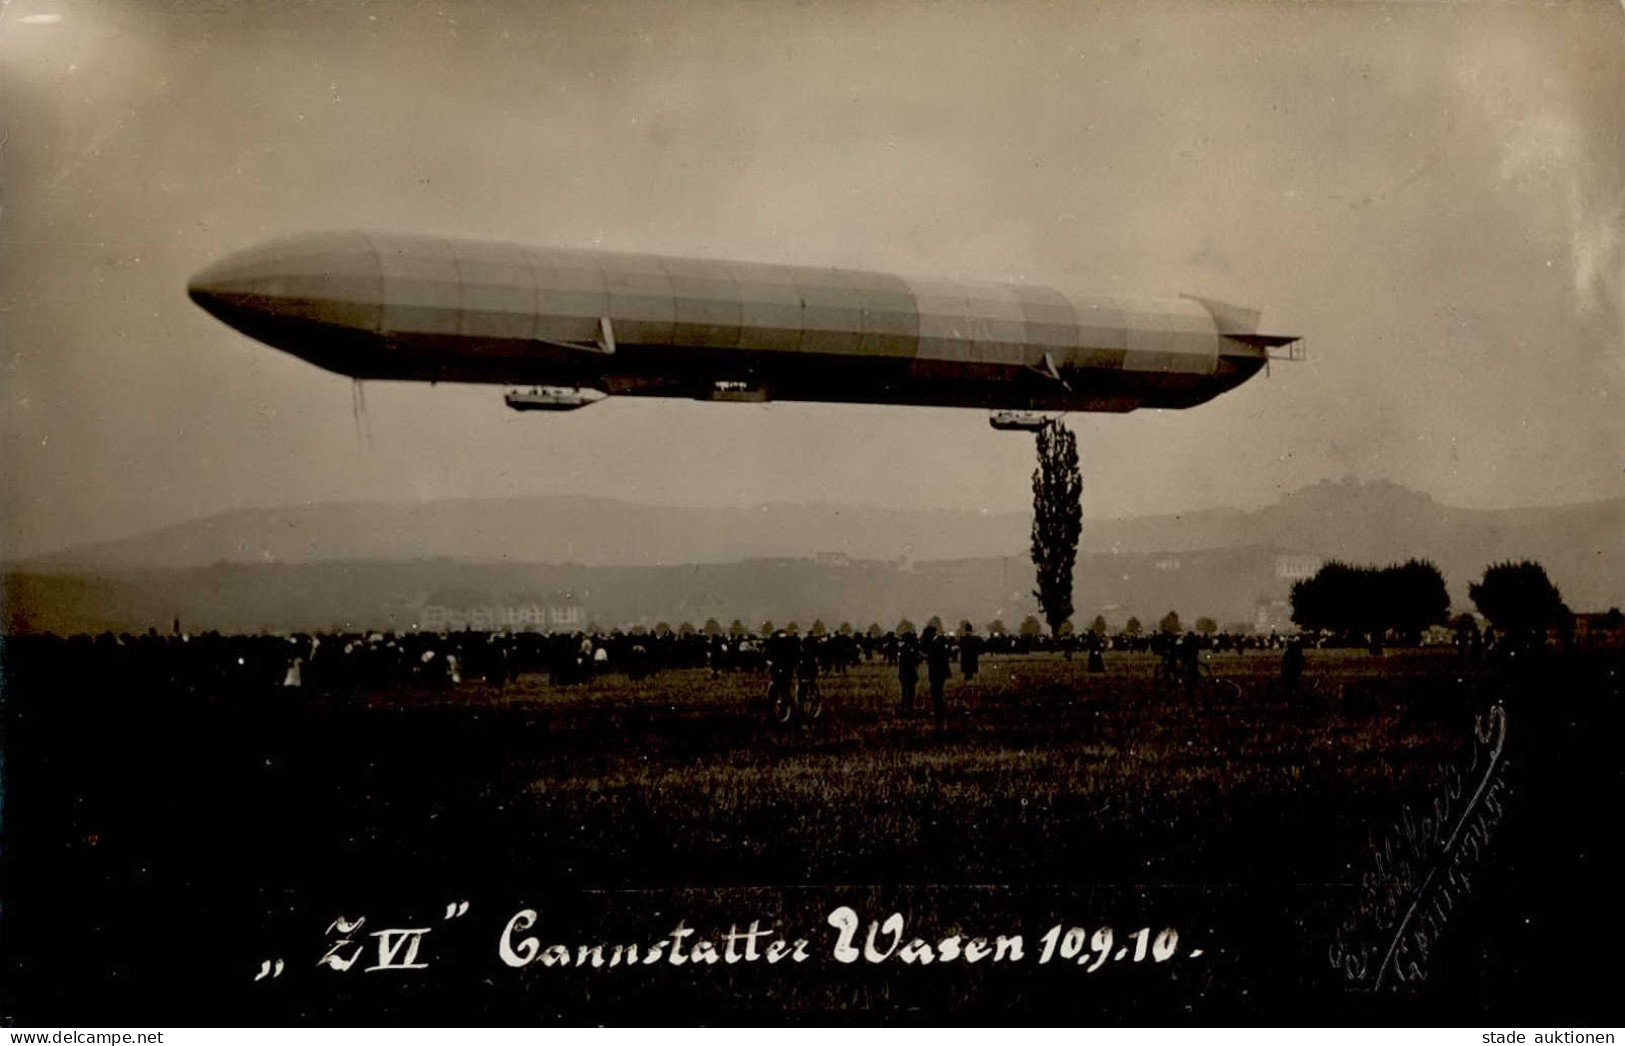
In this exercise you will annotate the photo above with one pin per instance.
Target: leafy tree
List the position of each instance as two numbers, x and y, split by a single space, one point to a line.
845 629
1206 625
1098 625
1031 627
661 628
874 631
793 628
935 622
1342 598
767 628
736 629
1057 520
817 628
1333 599
1133 627
996 628
904 627
965 626
686 628
713 626
1413 598
1519 599
1169 625
1066 628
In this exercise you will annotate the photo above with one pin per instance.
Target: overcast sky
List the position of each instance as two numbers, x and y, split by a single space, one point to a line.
1431 193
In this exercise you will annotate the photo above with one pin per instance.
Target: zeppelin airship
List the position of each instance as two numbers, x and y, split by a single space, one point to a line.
566 327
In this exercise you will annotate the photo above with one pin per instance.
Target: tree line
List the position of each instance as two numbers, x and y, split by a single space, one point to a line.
1408 598
1403 600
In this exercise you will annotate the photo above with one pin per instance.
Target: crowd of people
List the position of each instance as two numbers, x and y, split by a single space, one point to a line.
213 663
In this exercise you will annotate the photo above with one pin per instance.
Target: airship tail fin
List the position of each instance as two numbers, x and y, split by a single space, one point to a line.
1238 323
1230 319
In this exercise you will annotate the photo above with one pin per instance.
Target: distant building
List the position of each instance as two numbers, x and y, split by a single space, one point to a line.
1296 567
1272 614
453 611
1600 631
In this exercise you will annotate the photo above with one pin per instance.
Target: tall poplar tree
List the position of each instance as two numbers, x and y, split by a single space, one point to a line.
1057 520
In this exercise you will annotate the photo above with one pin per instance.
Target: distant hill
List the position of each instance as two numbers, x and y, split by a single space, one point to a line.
583 530
378 565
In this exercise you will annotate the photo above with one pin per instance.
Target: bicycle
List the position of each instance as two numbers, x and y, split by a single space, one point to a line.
1169 677
784 705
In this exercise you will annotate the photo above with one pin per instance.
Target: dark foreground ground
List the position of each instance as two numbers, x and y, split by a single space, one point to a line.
164 851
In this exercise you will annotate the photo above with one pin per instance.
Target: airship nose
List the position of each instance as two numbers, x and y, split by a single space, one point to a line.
328 279
208 289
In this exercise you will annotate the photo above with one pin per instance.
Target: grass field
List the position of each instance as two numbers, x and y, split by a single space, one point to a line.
1037 762
158 844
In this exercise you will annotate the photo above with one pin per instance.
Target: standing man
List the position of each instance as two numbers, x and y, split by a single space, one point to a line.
937 661
783 659
1097 660
1189 660
907 656
1292 666
970 653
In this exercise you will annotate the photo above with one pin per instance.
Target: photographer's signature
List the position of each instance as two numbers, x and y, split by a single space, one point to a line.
1424 866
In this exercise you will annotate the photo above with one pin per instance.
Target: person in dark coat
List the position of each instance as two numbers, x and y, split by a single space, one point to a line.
1097 646
1292 666
907 655
970 654
937 667
783 658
